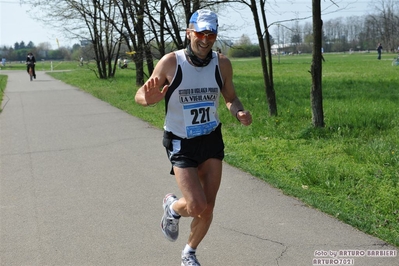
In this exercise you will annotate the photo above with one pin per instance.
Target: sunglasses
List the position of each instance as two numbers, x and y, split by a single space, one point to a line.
200 35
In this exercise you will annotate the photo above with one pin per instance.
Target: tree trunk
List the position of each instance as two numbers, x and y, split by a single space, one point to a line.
316 96
270 93
140 49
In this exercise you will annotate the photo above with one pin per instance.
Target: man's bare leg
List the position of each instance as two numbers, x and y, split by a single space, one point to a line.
199 188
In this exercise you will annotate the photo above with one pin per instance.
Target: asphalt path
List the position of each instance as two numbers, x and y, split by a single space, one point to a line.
82 183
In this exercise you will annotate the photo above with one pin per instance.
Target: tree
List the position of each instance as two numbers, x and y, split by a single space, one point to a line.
102 34
265 51
162 24
244 40
30 45
84 19
296 38
295 34
108 25
386 20
316 96
22 45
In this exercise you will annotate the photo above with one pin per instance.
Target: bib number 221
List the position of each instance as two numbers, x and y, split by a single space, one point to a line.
200 115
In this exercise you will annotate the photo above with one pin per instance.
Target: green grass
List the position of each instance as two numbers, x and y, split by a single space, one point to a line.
3 82
349 169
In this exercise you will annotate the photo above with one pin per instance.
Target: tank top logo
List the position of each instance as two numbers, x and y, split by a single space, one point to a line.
197 95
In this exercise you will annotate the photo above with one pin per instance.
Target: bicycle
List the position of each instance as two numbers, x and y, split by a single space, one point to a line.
395 62
30 71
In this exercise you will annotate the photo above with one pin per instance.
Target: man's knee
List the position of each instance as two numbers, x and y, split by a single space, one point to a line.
196 208
208 212
200 208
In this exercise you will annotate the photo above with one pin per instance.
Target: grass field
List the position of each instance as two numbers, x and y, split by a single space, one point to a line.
349 169
3 82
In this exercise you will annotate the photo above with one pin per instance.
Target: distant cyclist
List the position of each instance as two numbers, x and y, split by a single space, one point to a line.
31 61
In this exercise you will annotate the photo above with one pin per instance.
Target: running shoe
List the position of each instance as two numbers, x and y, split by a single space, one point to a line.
189 260
169 223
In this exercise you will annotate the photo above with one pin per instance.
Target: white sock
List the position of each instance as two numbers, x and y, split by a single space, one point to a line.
187 249
175 214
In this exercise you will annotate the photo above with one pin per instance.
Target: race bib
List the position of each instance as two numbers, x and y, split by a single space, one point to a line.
199 118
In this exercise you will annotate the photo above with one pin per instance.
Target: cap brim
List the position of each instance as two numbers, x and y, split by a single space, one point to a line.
205 26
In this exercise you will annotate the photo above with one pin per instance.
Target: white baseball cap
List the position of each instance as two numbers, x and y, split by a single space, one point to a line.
205 20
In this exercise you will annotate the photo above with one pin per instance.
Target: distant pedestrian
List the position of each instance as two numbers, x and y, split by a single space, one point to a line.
31 62
379 50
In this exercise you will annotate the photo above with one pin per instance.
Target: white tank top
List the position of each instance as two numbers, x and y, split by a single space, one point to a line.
192 99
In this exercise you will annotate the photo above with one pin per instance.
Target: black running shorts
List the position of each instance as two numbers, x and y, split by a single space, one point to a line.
184 153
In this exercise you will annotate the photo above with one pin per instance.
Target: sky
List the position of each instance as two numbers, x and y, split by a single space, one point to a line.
16 24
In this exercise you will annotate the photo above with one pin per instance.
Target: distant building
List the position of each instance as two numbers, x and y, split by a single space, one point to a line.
275 48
